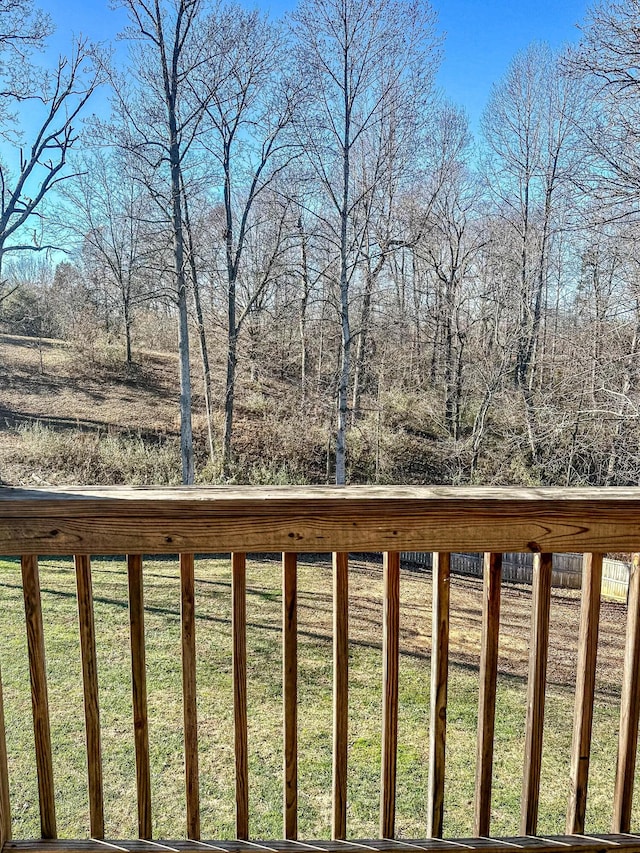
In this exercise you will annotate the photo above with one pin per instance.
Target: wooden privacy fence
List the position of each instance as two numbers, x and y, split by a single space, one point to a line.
85 522
518 567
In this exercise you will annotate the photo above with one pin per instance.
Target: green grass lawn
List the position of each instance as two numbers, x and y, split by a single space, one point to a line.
265 715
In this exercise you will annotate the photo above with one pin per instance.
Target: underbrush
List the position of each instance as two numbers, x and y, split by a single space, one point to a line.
97 458
91 457
270 453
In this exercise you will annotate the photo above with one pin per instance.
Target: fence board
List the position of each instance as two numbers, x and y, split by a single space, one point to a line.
90 691
139 694
487 693
439 679
39 695
340 692
536 690
585 689
390 659
239 629
192 780
629 709
290 688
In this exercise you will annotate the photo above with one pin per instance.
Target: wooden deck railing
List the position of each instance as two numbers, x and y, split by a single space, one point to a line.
85 522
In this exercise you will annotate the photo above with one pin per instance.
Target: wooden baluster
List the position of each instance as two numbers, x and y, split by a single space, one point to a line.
585 690
629 708
5 806
390 662
139 694
340 692
487 693
90 690
290 689
39 695
189 696
536 688
239 630
439 676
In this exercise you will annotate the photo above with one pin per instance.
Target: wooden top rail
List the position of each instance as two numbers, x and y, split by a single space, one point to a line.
117 520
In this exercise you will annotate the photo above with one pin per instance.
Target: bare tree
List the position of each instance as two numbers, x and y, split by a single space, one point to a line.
607 56
159 117
360 57
105 210
248 114
34 162
534 153
450 244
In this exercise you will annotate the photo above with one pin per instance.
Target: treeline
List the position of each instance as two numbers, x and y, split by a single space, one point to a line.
294 200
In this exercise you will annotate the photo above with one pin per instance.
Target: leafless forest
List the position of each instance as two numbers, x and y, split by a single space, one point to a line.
294 209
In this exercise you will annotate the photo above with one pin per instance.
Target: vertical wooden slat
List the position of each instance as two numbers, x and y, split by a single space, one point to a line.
439 675
585 690
189 696
139 694
290 689
487 693
39 696
340 692
239 629
536 688
5 806
390 662
90 690
629 708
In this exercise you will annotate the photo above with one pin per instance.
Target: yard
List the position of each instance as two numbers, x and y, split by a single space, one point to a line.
213 607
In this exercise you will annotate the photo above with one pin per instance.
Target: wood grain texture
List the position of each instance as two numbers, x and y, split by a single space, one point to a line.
192 779
629 708
390 663
290 691
546 844
90 692
5 804
299 519
536 691
487 692
585 689
39 695
340 694
239 630
139 694
439 680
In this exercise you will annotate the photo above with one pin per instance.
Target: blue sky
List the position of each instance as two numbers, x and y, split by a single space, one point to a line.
481 36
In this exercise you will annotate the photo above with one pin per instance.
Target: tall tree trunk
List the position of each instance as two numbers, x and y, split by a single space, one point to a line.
524 308
229 396
365 320
449 369
304 301
457 408
126 311
170 79
186 432
232 329
540 286
345 329
202 336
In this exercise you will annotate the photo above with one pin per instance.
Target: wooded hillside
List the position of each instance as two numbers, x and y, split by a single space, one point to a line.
356 288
